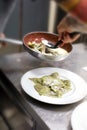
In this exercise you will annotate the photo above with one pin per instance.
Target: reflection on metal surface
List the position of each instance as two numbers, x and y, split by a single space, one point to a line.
84 68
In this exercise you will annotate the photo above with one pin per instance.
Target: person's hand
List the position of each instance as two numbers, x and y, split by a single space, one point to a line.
2 43
67 37
68 25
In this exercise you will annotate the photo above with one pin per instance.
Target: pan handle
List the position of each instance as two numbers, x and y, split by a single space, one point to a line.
11 41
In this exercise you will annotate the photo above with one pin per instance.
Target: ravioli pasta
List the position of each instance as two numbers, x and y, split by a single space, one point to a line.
41 48
51 85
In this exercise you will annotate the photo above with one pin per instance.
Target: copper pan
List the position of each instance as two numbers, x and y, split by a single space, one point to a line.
51 37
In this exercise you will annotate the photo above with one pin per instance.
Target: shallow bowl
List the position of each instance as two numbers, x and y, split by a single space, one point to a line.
50 37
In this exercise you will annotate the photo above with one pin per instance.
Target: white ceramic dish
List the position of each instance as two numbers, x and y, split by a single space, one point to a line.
79 117
78 92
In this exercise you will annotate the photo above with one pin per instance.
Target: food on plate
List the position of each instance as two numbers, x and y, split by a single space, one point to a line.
40 47
51 85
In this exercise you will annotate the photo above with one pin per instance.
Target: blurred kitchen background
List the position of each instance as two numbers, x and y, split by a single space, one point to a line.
18 17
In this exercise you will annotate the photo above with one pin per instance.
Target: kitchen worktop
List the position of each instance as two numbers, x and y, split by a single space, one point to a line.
47 116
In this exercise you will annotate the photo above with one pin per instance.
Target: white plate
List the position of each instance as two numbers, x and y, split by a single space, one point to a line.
79 117
78 92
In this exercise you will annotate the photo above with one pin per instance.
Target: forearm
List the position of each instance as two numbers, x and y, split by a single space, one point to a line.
70 24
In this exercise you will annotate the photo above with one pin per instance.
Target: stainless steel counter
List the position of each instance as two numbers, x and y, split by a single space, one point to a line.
53 117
